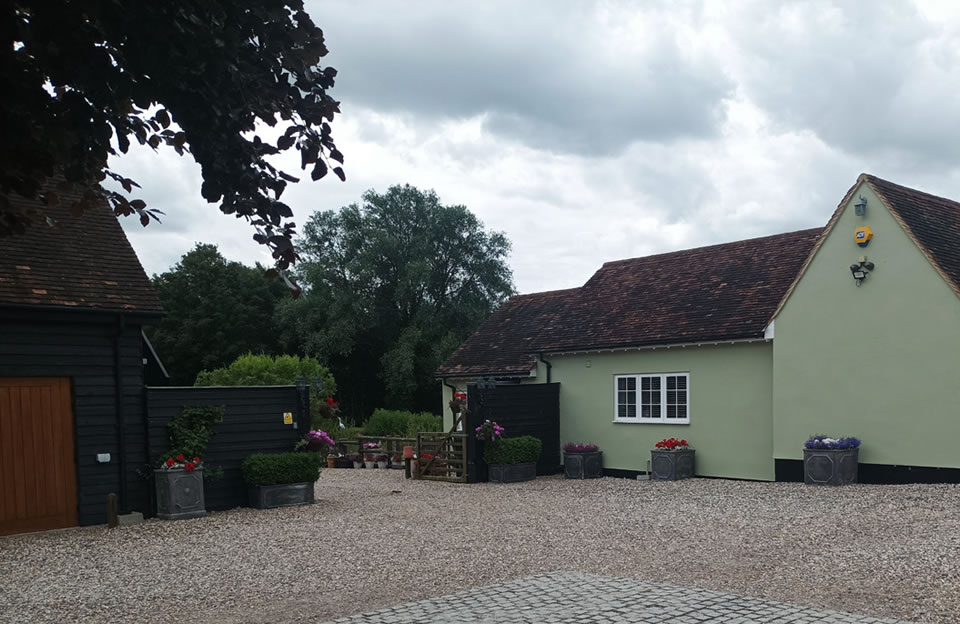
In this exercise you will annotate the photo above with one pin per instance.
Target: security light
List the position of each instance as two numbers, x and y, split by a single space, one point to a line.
861 269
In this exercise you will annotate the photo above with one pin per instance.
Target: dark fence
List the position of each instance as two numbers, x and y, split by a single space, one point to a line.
524 409
253 422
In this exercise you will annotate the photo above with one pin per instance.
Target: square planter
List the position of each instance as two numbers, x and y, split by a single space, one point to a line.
583 465
286 495
512 473
179 494
342 462
830 466
672 465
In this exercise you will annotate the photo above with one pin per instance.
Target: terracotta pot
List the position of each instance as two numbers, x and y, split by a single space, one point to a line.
331 460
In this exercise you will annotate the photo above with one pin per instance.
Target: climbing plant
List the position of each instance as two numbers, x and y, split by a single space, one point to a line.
191 429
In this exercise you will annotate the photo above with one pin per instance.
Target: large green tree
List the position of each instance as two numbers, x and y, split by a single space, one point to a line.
393 285
82 78
216 310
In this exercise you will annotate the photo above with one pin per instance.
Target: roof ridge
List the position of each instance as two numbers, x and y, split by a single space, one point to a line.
716 245
872 178
544 292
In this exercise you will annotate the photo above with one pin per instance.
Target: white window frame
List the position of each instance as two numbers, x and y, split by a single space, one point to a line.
638 419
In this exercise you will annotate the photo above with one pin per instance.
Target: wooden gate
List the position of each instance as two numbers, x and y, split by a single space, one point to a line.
38 482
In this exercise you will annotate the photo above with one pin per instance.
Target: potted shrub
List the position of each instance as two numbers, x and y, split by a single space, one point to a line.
281 479
671 460
382 460
512 459
357 460
582 461
179 487
830 461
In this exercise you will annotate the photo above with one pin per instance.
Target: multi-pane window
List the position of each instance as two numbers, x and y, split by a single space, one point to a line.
661 398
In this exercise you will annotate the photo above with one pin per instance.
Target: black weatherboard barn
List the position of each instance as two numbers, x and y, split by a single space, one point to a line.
73 301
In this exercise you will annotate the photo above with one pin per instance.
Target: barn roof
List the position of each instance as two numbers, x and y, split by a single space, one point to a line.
79 262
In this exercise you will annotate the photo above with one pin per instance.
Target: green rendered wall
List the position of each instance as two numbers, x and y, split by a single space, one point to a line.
878 362
730 406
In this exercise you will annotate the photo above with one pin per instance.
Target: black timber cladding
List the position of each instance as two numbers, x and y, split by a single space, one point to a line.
252 423
522 409
85 347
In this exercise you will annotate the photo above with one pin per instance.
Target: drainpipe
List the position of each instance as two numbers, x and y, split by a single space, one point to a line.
121 424
549 366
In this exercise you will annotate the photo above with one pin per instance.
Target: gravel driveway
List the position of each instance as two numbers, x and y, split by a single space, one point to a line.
886 551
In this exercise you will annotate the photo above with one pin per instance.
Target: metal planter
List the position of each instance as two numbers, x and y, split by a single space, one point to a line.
830 466
583 465
672 465
285 495
512 473
179 494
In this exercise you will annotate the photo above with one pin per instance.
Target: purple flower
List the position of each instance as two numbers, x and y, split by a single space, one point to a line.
825 442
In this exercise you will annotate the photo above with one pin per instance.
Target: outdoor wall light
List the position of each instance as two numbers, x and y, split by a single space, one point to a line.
860 208
861 269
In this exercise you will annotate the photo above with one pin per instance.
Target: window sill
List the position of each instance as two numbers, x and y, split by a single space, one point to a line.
651 422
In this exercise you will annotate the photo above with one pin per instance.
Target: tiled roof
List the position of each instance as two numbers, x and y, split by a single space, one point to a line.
83 262
932 222
720 292
507 341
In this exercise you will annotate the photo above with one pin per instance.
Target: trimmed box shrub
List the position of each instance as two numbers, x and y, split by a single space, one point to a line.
281 468
519 450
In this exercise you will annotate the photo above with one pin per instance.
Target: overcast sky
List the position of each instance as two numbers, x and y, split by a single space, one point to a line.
590 132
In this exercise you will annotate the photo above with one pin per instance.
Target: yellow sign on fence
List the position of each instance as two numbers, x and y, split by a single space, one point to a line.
288 418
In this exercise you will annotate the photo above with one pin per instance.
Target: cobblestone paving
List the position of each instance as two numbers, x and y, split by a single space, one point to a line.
575 597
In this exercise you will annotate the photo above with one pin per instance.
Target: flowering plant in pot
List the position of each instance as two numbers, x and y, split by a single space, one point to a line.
489 431
179 485
830 461
370 451
356 460
396 461
178 476
672 459
179 462
582 461
671 444
382 460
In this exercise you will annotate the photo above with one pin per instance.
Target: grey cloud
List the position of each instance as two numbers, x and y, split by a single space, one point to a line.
540 72
870 78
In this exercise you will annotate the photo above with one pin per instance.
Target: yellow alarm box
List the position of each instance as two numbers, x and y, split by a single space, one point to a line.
862 235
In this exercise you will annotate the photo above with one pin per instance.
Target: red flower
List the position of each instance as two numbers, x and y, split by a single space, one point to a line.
170 461
196 460
179 457
331 402
189 467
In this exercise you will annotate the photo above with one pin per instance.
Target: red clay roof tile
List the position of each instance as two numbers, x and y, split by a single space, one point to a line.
720 292
81 262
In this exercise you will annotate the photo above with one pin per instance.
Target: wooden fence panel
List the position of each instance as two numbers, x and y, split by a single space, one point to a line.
523 409
253 422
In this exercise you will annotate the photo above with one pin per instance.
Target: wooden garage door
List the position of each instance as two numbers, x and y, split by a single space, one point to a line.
38 483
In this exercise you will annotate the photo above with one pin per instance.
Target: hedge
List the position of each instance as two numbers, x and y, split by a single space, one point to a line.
282 468
401 424
512 450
